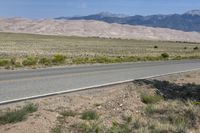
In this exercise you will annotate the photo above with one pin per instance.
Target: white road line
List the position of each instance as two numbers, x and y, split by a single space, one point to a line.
90 87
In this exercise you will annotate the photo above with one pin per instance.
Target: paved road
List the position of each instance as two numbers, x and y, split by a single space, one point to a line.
18 85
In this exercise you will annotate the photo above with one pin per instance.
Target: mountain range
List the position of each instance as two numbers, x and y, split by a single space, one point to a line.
189 21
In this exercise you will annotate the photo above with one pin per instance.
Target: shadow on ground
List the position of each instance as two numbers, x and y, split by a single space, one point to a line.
172 90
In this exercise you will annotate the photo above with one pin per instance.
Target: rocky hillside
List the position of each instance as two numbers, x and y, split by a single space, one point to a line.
91 28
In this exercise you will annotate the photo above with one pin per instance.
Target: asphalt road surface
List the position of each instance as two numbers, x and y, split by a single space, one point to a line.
27 84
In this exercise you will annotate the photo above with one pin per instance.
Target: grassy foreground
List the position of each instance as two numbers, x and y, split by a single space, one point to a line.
22 50
17 115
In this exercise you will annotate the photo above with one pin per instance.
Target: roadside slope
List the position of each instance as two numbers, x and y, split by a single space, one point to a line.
117 107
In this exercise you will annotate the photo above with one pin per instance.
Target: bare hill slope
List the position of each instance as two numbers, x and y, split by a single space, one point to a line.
86 28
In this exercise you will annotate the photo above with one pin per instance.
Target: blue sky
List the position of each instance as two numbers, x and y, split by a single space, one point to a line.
57 8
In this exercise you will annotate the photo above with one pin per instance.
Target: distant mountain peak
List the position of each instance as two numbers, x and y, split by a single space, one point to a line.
193 12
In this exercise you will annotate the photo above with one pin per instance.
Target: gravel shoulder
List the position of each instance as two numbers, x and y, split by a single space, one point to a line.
113 104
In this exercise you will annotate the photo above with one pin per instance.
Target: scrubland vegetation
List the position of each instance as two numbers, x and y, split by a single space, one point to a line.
17 115
158 113
26 50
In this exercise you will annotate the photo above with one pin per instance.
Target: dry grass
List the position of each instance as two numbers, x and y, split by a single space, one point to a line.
18 45
17 115
166 116
26 50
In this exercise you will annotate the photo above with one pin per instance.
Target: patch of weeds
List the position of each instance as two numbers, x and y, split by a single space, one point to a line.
18 64
191 118
119 128
9 63
150 99
17 115
150 109
81 60
56 130
30 108
177 58
4 62
45 61
68 113
58 59
30 61
180 122
137 124
90 128
154 129
13 61
196 103
108 59
89 115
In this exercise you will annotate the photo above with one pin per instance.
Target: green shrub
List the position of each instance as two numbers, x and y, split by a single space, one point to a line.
30 61
45 61
4 62
165 55
17 115
58 59
155 46
150 99
89 115
12 117
30 108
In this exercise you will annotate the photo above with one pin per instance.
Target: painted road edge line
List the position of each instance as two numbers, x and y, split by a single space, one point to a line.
90 87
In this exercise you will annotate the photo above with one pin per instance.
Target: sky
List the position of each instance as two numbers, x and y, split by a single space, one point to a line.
57 8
